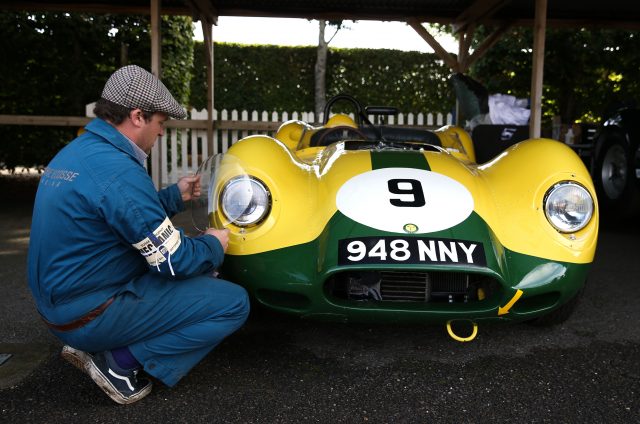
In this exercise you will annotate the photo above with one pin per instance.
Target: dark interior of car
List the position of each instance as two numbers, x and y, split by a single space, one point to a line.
327 136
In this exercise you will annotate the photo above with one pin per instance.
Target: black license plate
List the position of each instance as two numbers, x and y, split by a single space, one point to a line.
410 250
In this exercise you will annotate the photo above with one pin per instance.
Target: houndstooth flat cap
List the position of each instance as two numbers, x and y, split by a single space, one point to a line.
135 88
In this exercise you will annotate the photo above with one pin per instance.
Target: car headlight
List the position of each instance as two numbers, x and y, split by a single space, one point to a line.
245 201
568 206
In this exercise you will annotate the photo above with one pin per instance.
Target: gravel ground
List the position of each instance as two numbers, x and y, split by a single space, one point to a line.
279 369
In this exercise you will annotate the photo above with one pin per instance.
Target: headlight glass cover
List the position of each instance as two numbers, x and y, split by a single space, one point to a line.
245 201
568 206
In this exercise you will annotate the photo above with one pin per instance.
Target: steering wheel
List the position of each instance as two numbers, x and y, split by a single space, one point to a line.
359 113
361 116
347 132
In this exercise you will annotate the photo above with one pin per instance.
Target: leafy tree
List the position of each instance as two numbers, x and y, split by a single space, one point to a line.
587 71
320 69
55 63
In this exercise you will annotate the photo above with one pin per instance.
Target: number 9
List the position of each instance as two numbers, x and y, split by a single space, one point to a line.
415 191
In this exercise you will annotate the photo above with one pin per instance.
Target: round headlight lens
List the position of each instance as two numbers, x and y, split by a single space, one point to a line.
245 201
568 207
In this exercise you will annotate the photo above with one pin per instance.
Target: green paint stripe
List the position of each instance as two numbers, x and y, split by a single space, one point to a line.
399 159
271 272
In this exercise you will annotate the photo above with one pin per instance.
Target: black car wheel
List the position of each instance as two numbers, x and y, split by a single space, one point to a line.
613 172
615 180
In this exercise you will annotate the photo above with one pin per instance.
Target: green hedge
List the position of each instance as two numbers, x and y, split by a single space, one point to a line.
282 78
56 63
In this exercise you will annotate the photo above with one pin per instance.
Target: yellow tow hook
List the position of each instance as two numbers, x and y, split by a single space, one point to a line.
457 338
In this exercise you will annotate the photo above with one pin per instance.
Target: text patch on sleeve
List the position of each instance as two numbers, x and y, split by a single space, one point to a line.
159 244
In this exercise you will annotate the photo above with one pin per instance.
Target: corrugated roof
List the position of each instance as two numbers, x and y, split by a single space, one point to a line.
617 13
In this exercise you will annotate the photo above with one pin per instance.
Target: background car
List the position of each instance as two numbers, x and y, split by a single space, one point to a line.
616 163
356 221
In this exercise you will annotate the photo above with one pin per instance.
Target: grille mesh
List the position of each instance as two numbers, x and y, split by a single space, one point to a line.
404 286
449 282
411 286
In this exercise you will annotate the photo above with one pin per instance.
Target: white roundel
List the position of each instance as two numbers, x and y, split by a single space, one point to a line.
403 200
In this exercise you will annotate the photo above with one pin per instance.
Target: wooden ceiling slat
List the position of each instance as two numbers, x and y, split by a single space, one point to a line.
565 13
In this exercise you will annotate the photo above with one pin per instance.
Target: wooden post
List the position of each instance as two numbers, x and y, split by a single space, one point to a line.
155 70
208 45
539 28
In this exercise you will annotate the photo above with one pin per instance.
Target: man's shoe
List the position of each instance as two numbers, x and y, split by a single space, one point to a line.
77 358
122 386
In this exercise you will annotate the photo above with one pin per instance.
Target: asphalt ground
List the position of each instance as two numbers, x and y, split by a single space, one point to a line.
280 369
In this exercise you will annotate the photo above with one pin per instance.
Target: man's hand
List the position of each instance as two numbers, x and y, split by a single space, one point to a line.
189 187
221 235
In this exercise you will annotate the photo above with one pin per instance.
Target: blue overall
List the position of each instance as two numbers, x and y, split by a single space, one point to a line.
100 230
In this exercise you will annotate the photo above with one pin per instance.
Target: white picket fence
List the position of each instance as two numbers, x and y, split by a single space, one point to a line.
183 149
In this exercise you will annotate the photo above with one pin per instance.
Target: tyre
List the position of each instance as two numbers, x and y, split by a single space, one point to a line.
615 180
558 315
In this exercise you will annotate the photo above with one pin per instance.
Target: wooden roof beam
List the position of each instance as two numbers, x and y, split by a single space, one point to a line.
442 53
485 45
204 11
478 11
88 7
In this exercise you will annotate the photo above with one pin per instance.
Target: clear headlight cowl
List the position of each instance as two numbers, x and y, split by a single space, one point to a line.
568 206
245 201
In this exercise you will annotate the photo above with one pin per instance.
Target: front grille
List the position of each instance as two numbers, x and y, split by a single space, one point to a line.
410 286
404 286
451 286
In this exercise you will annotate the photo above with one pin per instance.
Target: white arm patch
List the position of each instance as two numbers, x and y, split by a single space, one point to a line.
158 246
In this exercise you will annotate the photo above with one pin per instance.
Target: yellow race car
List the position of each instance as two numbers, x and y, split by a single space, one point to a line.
362 221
